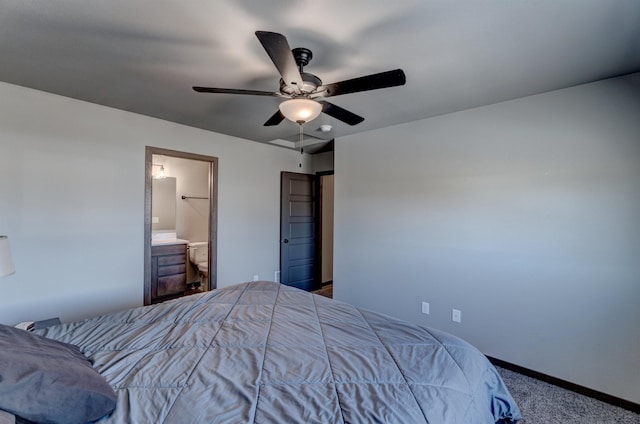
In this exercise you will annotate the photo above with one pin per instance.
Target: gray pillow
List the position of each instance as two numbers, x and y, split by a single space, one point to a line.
7 418
47 381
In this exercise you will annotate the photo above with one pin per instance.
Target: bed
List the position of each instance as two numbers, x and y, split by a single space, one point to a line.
262 352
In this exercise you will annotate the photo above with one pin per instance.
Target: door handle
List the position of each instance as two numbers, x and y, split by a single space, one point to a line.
285 241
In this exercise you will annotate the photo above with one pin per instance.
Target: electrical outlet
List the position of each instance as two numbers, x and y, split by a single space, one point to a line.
425 308
456 315
256 277
276 276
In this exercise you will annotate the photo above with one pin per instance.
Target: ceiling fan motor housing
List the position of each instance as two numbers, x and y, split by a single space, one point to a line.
311 82
302 57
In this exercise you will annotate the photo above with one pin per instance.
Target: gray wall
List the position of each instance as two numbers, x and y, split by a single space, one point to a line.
322 162
525 215
72 202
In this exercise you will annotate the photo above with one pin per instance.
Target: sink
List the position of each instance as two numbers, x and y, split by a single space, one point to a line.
164 235
162 238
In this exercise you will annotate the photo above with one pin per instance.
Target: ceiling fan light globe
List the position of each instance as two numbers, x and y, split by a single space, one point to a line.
300 110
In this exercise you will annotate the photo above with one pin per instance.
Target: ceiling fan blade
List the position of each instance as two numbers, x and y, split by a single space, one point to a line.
340 113
275 119
278 49
370 82
236 91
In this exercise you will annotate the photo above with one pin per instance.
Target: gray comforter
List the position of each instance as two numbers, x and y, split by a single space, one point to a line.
262 352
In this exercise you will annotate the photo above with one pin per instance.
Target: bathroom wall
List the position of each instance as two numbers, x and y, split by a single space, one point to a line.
192 180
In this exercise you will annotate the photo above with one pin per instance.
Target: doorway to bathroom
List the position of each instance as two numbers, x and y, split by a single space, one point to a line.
180 220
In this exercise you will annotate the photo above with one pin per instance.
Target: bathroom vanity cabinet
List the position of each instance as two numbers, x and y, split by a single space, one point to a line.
168 271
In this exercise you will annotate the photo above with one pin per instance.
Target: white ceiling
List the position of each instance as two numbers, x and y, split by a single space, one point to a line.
144 56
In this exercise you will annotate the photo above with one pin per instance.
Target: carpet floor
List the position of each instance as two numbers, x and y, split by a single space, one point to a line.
326 291
544 403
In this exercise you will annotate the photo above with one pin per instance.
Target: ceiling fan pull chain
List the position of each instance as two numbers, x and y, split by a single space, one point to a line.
301 144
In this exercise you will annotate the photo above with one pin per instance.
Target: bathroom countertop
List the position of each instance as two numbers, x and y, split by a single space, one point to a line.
164 242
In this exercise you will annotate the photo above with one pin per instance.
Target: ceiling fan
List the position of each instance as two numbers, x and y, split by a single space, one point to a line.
306 91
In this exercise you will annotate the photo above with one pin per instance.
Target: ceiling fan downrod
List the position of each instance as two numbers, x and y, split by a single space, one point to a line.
302 57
